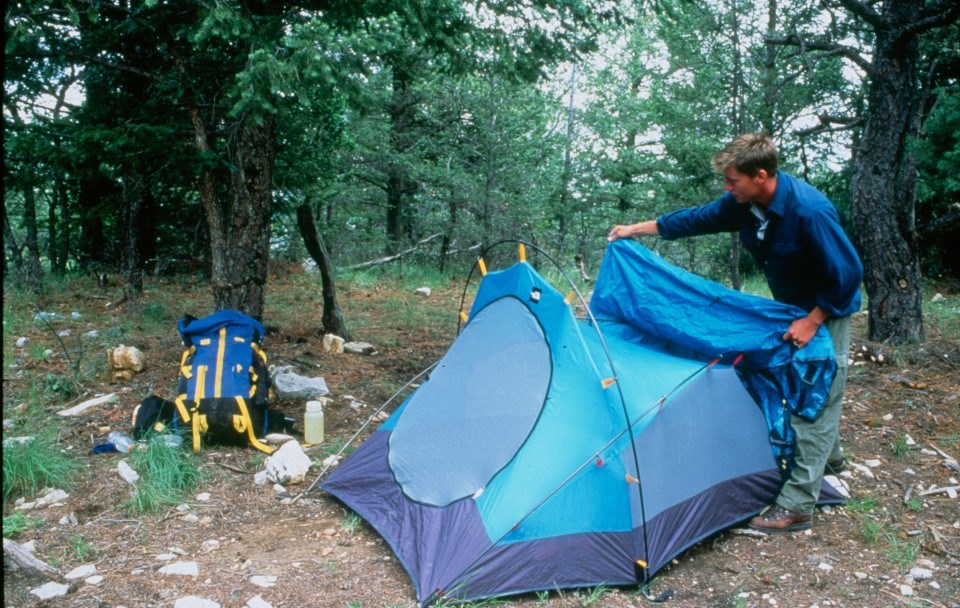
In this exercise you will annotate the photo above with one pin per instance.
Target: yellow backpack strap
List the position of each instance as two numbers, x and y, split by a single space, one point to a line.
180 402
198 427
186 370
245 413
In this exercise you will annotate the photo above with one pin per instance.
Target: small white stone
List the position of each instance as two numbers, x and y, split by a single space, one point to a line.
50 590
926 563
909 440
258 602
919 574
872 463
266 581
860 575
21 342
935 585
906 590
210 545
423 291
203 496
190 518
183 508
93 580
165 557
888 417
181 569
825 566
81 572
909 471
279 489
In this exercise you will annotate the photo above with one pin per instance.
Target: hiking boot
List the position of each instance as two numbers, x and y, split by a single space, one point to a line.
777 519
835 468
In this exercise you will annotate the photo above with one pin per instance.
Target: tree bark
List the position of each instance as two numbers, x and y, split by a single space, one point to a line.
881 193
239 228
33 270
333 320
16 255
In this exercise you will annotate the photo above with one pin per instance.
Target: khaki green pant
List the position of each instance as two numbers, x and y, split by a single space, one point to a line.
818 442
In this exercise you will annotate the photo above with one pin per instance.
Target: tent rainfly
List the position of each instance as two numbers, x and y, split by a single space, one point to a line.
548 452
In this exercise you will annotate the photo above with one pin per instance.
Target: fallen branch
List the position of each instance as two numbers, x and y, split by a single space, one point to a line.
391 258
945 490
27 560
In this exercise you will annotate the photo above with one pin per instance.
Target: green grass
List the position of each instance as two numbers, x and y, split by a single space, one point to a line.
900 449
17 523
80 547
901 553
30 467
167 475
861 505
351 522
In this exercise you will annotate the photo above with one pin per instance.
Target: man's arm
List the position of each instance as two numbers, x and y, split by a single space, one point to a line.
648 228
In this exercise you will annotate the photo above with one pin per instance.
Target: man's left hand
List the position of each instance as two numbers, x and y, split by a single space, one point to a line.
804 329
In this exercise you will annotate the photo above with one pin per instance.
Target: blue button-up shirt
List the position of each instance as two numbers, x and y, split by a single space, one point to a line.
807 258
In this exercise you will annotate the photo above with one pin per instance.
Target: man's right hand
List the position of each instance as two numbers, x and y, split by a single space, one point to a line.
648 228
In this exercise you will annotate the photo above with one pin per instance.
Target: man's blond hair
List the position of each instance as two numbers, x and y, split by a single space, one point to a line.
748 154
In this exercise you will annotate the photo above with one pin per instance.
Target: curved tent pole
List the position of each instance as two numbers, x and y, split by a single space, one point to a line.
365 425
613 380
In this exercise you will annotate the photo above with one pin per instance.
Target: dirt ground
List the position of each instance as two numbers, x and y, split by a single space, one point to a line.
902 409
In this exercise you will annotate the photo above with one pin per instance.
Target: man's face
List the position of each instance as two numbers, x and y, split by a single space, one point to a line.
743 187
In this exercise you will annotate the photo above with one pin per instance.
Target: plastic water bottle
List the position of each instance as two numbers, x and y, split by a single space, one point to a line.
123 443
313 422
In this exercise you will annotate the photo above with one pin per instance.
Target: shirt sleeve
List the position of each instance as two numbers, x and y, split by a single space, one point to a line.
719 216
839 262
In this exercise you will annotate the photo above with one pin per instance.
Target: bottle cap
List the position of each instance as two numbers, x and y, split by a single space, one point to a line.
314 406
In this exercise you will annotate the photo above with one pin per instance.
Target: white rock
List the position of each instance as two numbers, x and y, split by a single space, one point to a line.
15 441
262 580
278 438
926 563
937 297
81 572
332 343
887 417
190 518
279 489
203 496
860 575
927 452
165 557
331 460
63 333
181 569
288 465
82 407
825 566
909 471
76 316
192 601
423 292
872 463
919 574
68 520
260 478
258 602
210 545
21 342
935 585
866 471
29 546
127 473
50 590
291 386
359 348
906 590
909 440
92 334
93 580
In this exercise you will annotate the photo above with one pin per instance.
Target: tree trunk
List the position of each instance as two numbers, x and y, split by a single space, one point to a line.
16 255
34 272
239 228
567 175
130 221
333 319
882 196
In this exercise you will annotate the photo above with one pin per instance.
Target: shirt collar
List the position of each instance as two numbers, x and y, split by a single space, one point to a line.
778 204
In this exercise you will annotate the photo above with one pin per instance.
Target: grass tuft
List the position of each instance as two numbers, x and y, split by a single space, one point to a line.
30 467
167 474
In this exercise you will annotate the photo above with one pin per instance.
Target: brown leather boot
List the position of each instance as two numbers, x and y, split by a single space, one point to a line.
778 519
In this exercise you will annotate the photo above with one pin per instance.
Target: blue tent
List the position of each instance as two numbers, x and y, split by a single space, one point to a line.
546 451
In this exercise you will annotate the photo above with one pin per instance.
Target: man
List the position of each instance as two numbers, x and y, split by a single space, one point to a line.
794 234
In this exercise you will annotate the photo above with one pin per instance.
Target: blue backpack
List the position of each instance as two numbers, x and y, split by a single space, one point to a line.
223 393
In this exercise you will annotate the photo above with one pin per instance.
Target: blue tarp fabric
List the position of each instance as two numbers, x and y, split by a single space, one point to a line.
684 313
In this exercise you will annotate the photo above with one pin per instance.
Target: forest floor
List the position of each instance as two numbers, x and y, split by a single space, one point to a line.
901 431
